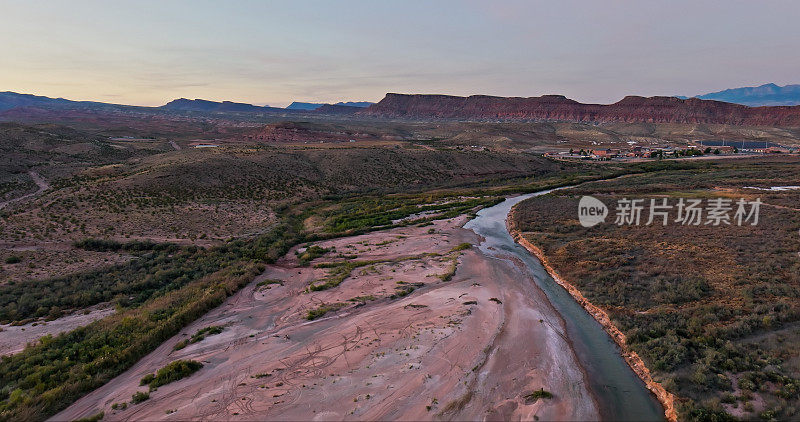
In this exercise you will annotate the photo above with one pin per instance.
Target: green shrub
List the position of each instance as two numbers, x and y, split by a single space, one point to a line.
322 310
311 253
139 397
447 276
268 282
538 394
461 247
147 379
200 335
13 259
181 344
94 418
172 372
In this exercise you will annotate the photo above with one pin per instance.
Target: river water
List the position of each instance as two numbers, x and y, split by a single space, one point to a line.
619 392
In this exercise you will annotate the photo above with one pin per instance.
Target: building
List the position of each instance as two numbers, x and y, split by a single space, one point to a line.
606 153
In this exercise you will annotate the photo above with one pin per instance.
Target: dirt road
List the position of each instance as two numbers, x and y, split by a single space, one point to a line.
40 182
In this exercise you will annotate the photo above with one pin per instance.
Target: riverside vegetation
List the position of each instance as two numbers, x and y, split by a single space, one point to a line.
163 236
714 312
162 286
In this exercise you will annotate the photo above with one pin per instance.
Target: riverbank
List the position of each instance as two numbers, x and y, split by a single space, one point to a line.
421 327
633 360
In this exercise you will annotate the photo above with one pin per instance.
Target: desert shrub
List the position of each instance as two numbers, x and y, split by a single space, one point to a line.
321 310
139 397
199 336
268 282
311 253
538 394
339 271
461 247
147 379
173 371
451 271
404 288
94 418
107 245
181 344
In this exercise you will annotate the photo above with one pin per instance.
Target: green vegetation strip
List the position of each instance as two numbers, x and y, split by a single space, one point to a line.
49 376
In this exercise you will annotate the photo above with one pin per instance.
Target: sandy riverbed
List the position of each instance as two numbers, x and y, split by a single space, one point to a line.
14 338
469 348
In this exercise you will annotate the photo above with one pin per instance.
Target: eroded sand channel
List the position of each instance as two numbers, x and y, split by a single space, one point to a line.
472 347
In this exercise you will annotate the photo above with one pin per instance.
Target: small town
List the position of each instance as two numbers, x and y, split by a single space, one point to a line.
693 149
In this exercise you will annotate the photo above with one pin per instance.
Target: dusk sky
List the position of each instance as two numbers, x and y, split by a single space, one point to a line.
270 52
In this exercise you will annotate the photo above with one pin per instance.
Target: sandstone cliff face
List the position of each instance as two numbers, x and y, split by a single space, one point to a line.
556 107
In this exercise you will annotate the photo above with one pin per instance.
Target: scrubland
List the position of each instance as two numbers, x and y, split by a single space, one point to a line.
163 236
712 310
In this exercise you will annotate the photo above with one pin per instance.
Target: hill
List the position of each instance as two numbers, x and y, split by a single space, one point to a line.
10 100
184 104
559 108
754 96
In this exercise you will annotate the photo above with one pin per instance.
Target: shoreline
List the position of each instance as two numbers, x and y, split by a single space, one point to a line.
633 360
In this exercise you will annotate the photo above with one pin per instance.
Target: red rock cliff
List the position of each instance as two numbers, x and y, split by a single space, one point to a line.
557 107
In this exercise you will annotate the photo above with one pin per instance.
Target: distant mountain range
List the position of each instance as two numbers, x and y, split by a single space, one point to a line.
633 109
12 100
755 96
184 104
297 105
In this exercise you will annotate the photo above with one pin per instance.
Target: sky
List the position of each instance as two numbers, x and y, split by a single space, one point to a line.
275 52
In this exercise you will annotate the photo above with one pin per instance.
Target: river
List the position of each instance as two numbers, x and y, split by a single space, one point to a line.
619 392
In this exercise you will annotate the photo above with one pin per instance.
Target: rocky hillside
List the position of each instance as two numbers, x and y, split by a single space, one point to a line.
556 107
